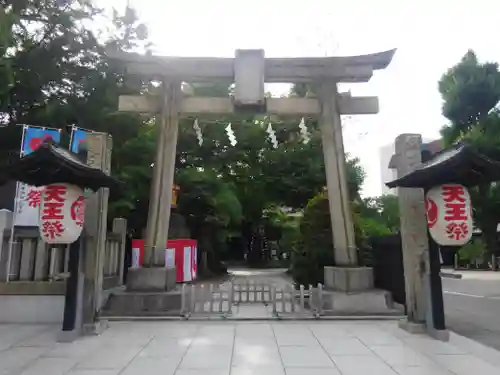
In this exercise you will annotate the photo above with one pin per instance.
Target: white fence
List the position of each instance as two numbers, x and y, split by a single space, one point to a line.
203 300
282 302
302 302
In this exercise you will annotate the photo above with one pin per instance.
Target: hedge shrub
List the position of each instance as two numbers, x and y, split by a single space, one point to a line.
316 246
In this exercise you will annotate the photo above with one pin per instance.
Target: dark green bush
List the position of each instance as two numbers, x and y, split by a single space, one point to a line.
315 248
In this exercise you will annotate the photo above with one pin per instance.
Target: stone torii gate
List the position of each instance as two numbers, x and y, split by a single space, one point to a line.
249 70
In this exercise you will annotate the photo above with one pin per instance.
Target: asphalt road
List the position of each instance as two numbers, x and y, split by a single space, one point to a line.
472 306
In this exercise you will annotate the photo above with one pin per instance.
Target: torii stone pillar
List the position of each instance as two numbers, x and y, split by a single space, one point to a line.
335 169
350 286
163 178
250 70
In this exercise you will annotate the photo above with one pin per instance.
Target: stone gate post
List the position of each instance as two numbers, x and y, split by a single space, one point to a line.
415 243
98 156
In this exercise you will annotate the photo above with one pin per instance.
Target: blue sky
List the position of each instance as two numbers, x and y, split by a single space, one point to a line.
430 36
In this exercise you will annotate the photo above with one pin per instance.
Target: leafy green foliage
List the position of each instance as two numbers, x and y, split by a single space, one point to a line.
472 251
380 215
315 249
317 230
54 71
471 91
48 34
210 206
207 196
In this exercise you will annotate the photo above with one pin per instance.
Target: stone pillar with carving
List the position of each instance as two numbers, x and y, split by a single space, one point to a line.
414 238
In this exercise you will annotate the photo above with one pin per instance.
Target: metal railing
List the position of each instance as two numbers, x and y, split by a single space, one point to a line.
219 301
201 300
291 302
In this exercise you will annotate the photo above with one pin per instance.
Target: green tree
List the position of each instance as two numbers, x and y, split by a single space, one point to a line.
315 249
210 207
470 92
48 55
380 215
54 72
59 75
472 251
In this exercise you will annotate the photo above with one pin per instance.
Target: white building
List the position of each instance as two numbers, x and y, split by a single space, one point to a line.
387 174
385 155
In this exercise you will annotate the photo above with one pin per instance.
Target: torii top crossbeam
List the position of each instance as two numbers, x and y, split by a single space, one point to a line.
282 70
249 70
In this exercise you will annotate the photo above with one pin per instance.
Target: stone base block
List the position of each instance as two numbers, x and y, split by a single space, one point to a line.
371 302
348 279
171 278
96 328
412 327
68 336
441 335
129 304
154 279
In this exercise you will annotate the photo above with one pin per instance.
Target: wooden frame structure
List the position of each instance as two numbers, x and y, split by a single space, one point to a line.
250 70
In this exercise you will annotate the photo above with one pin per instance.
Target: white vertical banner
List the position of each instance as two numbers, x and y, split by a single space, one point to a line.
136 257
187 264
170 258
28 205
28 198
195 261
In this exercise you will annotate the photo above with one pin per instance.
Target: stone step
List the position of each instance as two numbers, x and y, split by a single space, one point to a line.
143 304
372 302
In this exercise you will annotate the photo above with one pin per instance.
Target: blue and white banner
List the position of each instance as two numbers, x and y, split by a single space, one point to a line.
28 198
78 136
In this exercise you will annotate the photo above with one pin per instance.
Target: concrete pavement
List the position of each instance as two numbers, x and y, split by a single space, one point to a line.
276 276
472 303
268 347
472 306
239 348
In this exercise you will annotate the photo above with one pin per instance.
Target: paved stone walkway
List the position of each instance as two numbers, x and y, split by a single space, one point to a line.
276 276
237 348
